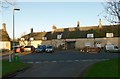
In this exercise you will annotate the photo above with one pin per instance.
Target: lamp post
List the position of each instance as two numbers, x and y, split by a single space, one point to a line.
14 25
11 56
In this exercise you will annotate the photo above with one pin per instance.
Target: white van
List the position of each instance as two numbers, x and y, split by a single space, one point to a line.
112 48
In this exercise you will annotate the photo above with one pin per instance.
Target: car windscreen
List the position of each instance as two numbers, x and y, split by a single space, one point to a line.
40 46
49 47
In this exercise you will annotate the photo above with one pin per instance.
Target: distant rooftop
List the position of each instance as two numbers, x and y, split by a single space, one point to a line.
75 32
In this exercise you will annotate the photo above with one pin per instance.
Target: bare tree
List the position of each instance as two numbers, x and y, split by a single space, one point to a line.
6 3
112 10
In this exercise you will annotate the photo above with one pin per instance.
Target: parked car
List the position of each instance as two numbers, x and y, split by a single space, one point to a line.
18 49
29 49
112 48
40 48
90 49
49 49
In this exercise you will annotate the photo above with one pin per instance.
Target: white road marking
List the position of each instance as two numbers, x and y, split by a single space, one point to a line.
76 60
69 60
37 62
54 61
83 60
94 60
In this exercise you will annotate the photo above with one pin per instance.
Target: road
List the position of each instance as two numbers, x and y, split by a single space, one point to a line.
61 64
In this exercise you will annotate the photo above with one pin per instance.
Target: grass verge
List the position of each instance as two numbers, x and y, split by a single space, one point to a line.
9 68
108 68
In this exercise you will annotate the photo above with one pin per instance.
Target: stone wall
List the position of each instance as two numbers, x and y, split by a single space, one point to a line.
36 43
79 43
47 42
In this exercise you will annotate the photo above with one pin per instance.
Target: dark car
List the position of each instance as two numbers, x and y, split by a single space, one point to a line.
29 49
49 49
40 48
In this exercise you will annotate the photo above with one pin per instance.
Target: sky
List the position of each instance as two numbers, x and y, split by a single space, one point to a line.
41 16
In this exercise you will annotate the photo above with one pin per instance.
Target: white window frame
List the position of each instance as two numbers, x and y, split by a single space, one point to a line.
44 38
90 35
31 39
59 36
109 35
22 39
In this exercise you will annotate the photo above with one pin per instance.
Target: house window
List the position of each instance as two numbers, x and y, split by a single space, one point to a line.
2 45
7 45
59 36
31 39
44 38
109 34
90 35
22 39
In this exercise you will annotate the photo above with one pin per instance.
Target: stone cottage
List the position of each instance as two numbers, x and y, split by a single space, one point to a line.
4 38
75 37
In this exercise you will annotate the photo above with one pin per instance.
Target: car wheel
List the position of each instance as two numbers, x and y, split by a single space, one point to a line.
107 51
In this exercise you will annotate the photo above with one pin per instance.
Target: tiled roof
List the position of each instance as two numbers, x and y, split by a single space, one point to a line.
35 35
73 33
4 36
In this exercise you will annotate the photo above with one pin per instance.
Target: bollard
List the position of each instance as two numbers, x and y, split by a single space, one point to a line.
13 55
10 58
16 58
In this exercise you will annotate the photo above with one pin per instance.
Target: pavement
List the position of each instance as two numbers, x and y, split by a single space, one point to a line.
5 55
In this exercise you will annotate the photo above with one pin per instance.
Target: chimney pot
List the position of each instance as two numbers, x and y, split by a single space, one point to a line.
4 27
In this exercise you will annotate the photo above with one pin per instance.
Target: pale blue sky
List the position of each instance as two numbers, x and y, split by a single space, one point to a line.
42 15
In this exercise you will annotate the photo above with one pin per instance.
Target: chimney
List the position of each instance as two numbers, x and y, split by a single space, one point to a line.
100 23
54 28
31 31
4 27
78 24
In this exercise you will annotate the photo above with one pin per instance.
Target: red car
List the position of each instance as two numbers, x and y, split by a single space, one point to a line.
91 49
18 49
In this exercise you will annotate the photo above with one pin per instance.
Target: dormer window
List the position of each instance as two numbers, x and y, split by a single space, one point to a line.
44 38
90 35
31 39
59 36
22 39
109 34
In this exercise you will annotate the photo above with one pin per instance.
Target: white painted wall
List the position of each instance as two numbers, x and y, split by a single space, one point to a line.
5 45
